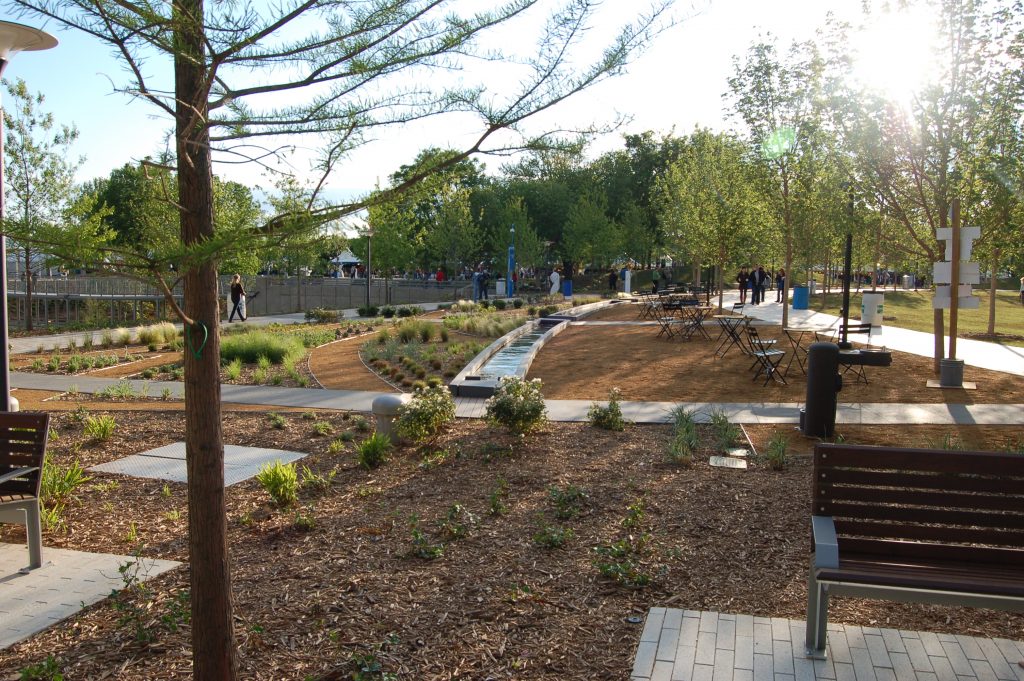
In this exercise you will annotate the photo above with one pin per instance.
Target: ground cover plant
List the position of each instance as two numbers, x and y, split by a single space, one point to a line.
460 569
414 352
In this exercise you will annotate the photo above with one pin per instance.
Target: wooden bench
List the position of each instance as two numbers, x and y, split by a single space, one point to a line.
916 525
22 451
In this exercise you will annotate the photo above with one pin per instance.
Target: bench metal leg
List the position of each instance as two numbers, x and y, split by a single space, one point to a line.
817 618
34 531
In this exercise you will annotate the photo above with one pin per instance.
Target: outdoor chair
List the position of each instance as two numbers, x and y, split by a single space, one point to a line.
853 329
22 451
766 357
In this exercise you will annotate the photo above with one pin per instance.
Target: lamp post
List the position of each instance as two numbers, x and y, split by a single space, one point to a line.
510 289
14 38
369 265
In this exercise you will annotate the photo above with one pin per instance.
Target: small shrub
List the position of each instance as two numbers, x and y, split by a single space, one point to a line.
387 312
322 315
47 670
323 428
458 522
367 310
517 303
280 481
405 311
360 423
336 446
776 452
444 334
305 521
277 421
373 451
552 536
316 483
233 371
496 500
422 418
568 501
100 427
517 405
249 347
107 338
422 547
725 431
609 417
500 304
58 485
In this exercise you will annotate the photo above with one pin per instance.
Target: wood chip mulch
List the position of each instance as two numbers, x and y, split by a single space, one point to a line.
351 596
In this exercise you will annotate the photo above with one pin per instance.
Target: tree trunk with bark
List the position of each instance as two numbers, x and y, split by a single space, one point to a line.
213 643
992 282
28 289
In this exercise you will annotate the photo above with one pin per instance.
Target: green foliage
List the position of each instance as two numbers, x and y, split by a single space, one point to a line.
422 547
552 536
249 347
568 501
458 522
496 501
122 390
685 439
47 670
726 432
607 417
305 519
277 421
58 485
323 428
367 310
517 405
100 427
634 515
316 483
950 442
233 370
280 481
776 452
360 423
430 410
374 451
322 315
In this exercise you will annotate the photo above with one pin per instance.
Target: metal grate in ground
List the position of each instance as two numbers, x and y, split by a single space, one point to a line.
168 463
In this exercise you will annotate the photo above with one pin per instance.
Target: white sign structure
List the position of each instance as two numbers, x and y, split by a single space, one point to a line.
970 272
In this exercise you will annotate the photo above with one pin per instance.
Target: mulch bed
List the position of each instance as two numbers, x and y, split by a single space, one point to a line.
496 605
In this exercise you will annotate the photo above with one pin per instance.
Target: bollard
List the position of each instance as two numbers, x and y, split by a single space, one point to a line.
385 409
823 384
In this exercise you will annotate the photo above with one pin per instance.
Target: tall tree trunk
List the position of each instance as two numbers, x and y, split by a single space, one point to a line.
996 253
28 289
213 643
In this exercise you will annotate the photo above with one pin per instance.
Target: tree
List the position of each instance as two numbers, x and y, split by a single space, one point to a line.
40 175
344 70
709 202
776 98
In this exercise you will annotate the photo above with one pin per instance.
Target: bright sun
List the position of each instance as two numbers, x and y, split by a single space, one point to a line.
894 53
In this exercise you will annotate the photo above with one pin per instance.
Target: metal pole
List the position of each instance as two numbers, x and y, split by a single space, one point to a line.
509 285
369 267
847 267
954 284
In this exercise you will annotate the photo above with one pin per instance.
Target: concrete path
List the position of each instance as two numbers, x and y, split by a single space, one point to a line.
35 600
687 645
982 354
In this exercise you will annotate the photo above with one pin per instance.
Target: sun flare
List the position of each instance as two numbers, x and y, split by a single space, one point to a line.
894 53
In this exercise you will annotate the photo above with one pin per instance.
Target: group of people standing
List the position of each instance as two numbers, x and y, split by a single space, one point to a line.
756 280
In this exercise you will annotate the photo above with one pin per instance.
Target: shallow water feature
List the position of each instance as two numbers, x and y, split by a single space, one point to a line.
509 359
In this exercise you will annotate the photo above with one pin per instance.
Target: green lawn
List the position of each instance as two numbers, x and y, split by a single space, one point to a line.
913 310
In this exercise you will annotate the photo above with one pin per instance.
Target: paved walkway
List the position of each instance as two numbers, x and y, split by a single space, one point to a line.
686 645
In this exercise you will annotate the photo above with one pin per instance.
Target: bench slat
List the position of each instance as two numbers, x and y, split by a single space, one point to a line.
920 460
925 533
886 550
1012 503
839 478
902 514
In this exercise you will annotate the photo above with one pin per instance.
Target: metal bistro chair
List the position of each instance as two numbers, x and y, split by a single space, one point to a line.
766 357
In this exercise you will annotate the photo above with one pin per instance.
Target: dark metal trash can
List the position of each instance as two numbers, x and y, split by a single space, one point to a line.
823 385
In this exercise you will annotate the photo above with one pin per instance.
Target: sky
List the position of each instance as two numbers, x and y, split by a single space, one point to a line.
677 84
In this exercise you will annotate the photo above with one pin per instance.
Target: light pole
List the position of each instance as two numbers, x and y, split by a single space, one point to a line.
510 289
369 265
14 38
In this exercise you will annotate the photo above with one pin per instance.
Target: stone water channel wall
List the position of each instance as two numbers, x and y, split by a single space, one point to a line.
58 301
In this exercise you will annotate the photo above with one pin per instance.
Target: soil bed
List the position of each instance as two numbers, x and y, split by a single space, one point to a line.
495 604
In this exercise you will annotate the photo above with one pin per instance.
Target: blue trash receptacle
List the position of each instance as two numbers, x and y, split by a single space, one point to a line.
567 288
800 299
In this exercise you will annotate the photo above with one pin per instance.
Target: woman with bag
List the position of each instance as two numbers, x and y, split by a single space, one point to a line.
237 299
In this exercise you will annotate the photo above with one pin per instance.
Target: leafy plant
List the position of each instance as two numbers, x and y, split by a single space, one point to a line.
422 547
277 421
517 404
725 431
373 451
634 515
431 409
233 370
100 427
684 437
552 536
315 482
58 484
609 417
568 501
280 481
458 521
360 423
776 452
496 500
305 520
47 670
323 428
